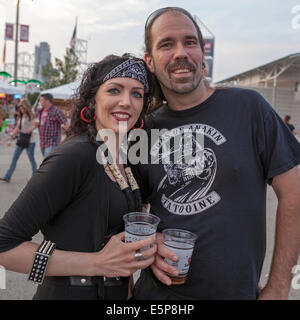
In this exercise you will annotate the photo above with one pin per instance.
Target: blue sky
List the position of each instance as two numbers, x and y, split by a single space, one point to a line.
248 33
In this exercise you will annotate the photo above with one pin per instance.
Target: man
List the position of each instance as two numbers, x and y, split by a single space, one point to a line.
51 120
287 120
222 198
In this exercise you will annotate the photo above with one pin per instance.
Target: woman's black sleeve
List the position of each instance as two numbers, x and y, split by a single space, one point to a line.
51 189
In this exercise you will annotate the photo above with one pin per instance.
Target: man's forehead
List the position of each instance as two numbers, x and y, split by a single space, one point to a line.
170 23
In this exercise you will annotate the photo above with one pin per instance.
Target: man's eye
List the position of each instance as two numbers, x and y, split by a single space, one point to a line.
165 45
191 42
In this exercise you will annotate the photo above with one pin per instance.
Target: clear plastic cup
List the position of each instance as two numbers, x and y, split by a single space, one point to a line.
140 225
182 243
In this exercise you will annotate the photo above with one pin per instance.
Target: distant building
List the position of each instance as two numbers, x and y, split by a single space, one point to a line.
42 57
279 83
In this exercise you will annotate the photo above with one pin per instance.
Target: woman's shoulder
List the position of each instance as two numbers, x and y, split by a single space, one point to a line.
78 148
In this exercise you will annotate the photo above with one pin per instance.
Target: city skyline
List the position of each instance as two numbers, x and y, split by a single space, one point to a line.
247 35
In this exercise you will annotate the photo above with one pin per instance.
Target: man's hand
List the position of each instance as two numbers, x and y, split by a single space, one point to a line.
269 293
160 268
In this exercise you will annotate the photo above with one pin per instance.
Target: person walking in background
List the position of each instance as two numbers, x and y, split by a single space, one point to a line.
287 120
50 120
24 125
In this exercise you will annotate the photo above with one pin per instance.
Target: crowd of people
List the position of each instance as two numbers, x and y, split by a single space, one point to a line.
78 202
46 123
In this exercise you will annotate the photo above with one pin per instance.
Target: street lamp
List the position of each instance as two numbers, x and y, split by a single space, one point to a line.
17 42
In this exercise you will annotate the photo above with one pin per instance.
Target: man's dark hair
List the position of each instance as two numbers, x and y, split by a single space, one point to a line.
157 92
47 96
154 15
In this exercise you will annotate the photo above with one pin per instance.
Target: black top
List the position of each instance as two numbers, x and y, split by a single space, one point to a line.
221 198
69 199
292 128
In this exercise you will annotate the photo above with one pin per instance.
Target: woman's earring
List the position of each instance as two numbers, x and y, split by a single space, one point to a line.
83 118
141 126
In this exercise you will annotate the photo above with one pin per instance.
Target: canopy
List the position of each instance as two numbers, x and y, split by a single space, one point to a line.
64 92
8 89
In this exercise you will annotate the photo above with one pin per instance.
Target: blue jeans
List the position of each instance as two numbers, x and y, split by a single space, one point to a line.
16 156
47 151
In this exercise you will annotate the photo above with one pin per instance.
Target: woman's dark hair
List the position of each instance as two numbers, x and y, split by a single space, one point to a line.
85 94
27 109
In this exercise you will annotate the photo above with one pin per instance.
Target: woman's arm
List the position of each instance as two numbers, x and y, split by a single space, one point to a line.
55 185
116 259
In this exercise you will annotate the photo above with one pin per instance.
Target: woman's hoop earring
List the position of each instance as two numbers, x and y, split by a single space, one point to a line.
141 126
83 117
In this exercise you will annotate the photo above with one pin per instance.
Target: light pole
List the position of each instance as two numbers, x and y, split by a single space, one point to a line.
17 42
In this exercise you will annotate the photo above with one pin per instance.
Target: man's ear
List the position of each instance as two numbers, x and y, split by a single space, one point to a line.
149 61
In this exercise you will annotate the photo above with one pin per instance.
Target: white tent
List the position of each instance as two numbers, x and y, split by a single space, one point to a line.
8 89
64 92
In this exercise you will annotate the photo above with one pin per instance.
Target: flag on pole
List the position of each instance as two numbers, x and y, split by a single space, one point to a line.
4 53
73 39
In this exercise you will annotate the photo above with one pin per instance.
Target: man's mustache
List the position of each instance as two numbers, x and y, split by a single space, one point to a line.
181 65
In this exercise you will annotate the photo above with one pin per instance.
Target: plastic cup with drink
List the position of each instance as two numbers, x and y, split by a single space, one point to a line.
139 226
182 243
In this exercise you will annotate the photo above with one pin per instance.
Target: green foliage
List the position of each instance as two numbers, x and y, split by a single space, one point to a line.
64 71
31 97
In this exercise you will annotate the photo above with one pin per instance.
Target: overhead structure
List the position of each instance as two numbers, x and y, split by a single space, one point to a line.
25 66
81 48
9 89
278 81
279 73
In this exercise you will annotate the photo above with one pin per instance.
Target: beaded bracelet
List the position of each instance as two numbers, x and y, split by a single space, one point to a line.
40 262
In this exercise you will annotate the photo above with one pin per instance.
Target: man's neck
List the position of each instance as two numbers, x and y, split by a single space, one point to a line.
48 107
179 102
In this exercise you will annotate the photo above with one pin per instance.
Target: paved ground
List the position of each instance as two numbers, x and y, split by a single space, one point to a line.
17 286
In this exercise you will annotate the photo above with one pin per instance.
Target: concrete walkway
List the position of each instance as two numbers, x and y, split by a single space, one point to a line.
17 286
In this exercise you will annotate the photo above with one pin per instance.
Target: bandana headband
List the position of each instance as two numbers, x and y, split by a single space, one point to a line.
130 69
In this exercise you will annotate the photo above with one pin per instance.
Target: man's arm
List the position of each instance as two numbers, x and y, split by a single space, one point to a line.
287 235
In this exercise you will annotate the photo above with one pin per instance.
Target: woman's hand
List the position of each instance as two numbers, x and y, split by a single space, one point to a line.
117 258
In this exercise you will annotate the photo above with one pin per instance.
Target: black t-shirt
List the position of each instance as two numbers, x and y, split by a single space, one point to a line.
292 128
223 197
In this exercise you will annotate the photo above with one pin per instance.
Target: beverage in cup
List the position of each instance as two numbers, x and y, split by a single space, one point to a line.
182 243
140 225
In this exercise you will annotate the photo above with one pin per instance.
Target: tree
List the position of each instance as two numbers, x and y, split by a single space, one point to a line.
65 71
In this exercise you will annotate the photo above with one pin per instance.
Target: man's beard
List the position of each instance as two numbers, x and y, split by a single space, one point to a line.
178 89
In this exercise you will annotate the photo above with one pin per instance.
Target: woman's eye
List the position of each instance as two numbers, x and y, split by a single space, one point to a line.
113 90
137 95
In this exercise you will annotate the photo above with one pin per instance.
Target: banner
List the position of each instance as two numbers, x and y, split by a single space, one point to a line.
9 31
24 33
209 46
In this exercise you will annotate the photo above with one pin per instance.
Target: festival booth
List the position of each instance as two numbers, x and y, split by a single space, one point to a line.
62 95
7 90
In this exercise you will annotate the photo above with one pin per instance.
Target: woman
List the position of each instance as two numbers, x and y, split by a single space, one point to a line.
24 126
74 200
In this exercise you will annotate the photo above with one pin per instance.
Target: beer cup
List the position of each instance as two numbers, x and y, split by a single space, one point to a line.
182 243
